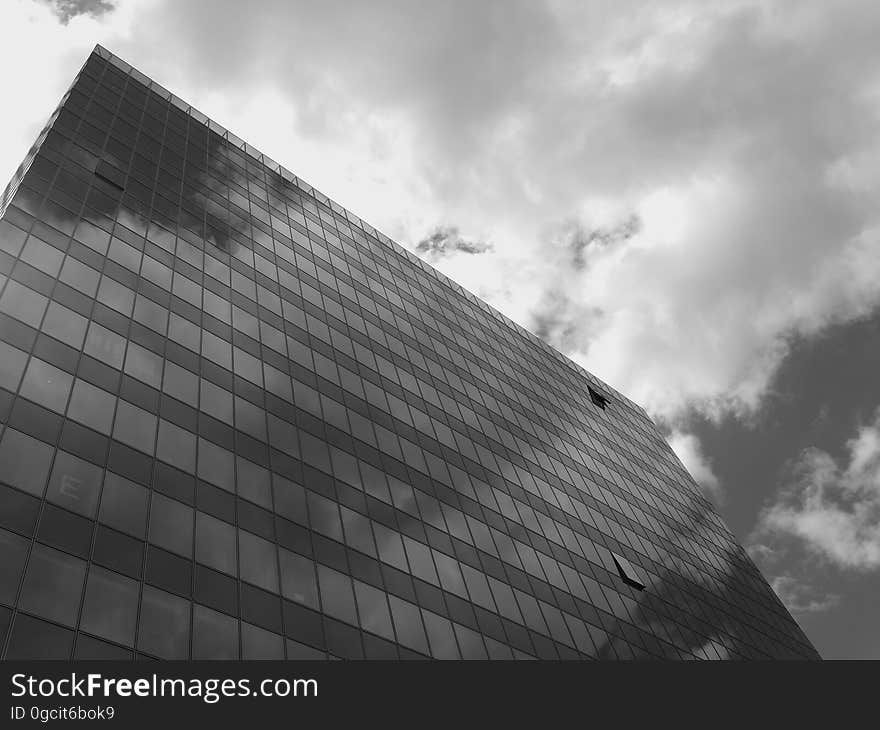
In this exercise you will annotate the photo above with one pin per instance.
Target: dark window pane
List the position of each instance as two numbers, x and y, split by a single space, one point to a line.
35 639
290 499
66 325
22 303
110 607
216 465
171 525
216 401
24 461
74 484
12 362
135 427
181 383
253 483
298 581
257 643
324 515
215 543
53 585
105 346
124 505
88 647
373 608
258 564
164 624
337 597
13 552
177 446
440 636
91 406
408 622
215 635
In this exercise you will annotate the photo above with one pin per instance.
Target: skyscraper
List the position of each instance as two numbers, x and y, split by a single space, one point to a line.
237 421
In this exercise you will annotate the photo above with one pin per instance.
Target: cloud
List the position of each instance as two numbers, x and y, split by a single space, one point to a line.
830 507
67 10
801 598
446 241
687 448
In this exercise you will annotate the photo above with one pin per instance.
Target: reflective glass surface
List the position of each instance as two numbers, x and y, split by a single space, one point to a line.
240 422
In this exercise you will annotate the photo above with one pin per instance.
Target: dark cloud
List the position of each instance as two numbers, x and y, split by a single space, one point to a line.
446 241
67 10
581 241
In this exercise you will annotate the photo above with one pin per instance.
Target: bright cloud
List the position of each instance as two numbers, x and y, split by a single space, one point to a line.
832 507
687 448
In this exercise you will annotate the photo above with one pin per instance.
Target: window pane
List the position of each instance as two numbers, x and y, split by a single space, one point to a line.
216 401
258 564
216 465
215 543
24 461
450 574
373 607
12 362
247 367
164 624
185 332
177 446
181 383
110 607
47 385
116 296
42 256
143 365
13 552
257 643
74 484
105 346
217 350
337 597
79 276
358 532
135 427
390 547
150 314
215 635
171 525
66 325
441 636
124 505
420 560
250 418
324 515
298 578
290 499
253 483
53 585
408 622
471 643
22 303
91 406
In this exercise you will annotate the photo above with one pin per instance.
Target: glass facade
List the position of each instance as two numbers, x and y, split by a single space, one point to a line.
238 422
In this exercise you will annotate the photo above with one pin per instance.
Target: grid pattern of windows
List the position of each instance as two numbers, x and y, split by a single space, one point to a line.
236 421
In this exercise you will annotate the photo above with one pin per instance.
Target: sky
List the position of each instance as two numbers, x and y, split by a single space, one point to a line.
680 196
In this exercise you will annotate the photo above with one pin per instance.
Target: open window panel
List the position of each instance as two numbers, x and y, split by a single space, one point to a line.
598 399
109 173
629 574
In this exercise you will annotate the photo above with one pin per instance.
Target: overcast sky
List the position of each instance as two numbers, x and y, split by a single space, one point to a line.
681 196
